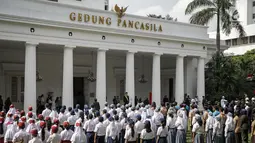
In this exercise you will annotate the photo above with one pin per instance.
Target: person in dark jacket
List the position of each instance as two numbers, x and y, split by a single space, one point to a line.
96 105
244 126
126 98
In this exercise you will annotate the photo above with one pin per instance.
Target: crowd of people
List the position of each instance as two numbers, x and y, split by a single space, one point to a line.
169 123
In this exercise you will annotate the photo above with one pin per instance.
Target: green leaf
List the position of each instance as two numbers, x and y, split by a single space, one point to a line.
195 4
203 17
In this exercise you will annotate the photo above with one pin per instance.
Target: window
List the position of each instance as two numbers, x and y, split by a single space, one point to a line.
245 40
234 42
252 39
253 3
228 42
106 3
253 16
17 89
14 89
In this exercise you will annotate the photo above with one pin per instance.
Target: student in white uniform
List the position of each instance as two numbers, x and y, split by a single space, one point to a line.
171 119
106 107
139 126
124 123
31 125
156 117
35 138
162 132
180 125
43 132
107 122
100 130
62 117
89 127
21 135
66 134
131 114
68 114
79 135
217 134
54 137
229 129
46 112
71 120
97 115
10 132
131 133
119 126
147 135
111 132
209 128
30 109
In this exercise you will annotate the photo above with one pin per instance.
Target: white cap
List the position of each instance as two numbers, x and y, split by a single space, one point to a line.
247 99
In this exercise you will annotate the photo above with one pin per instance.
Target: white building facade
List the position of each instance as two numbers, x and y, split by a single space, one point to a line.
64 41
239 46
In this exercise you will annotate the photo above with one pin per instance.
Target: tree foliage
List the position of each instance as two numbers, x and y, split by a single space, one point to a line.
203 11
167 17
229 79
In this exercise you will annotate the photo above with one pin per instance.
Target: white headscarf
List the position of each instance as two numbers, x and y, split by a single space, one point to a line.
229 118
79 135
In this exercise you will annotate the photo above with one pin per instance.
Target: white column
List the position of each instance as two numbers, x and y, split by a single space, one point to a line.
200 80
189 75
101 77
130 76
179 81
30 76
156 79
67 91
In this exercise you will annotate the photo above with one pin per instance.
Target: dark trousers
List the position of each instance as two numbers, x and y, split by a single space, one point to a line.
90 137
100 139
245 136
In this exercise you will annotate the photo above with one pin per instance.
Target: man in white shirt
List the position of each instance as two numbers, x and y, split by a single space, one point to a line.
100 130
46 112
89 127
139 125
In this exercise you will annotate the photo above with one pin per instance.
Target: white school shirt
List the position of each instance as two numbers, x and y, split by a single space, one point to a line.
209 123
128 135
35 140
66 135
162 132
119 126
123 123
62 117
72 119
118 110
68 114
100 129
131 115
106 122
216 128
195 127
34 115
170 122
46 112
156 118
111 131
46 135
21 134
54 138
230 126
30 127
147 136
179 123
10 132
96 121
89 126
139 126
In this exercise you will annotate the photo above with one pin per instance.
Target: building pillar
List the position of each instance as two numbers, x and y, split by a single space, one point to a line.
179 80
30 76
189 75
67 91
200 79
101 77
130 76
156 79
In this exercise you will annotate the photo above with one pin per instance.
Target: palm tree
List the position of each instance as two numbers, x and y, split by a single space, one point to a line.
227 16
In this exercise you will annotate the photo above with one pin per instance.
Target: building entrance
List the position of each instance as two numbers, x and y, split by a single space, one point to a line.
78 91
